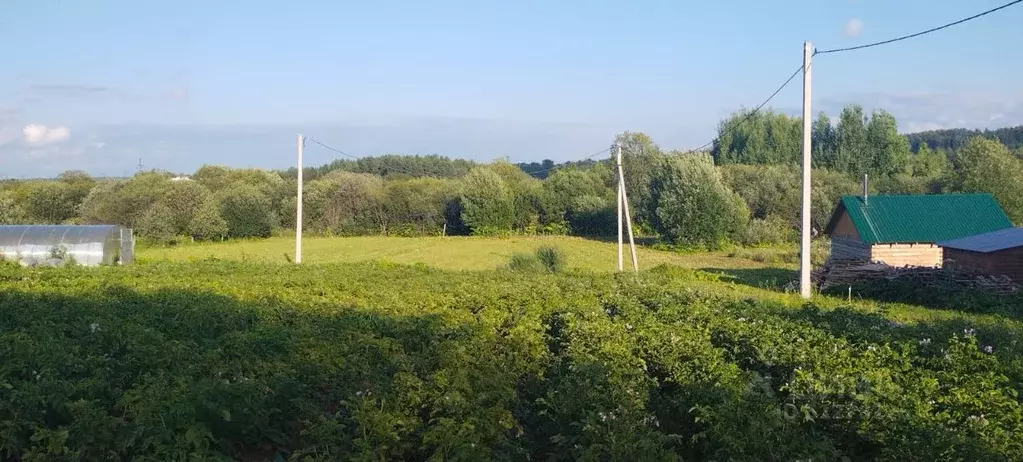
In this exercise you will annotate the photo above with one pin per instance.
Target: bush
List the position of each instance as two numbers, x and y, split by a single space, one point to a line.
158 224
207 224
525 263
771 231
552 258
246 211
693 205
487 202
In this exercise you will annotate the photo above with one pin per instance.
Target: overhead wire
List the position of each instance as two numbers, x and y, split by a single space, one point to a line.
314 140
751 113
928 31
566 164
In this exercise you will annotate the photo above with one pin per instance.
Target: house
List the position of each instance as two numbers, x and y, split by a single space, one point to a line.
996 253
904 230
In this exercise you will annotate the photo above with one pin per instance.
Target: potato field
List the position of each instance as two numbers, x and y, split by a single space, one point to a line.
369 361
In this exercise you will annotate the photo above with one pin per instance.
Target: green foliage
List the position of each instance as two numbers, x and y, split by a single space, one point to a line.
956 138
207 224
246 210
984 165
488 204
124 202
525 263
590 215
762 137
10 210
392 166
231 361
641 158
769 190
50 202
552 258
828 188
158 224
694 206
770 231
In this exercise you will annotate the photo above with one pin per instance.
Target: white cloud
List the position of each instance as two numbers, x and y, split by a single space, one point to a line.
853 28
38 135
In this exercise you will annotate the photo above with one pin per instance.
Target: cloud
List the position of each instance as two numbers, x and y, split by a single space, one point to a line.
67 90
853 28
932 111
39 135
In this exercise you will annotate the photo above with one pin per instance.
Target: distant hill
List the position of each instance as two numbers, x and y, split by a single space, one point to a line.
955 138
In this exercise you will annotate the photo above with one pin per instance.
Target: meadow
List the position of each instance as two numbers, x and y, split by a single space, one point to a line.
457 253
701 357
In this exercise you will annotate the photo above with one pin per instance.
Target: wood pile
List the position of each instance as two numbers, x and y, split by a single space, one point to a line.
844 274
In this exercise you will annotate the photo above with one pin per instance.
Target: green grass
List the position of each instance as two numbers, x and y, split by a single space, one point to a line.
450 253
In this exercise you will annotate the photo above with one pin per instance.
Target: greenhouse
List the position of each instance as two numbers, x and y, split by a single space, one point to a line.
57 245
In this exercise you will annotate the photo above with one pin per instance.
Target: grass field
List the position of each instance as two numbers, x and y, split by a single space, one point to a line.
450 253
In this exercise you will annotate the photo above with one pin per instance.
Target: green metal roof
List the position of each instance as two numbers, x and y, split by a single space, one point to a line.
921 218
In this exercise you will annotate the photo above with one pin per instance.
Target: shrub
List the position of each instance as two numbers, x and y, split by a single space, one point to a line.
552 258
158 224
487 202
207 224
693 205
246 211
770 231
525 263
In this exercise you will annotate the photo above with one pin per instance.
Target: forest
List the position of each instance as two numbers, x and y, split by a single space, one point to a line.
744 190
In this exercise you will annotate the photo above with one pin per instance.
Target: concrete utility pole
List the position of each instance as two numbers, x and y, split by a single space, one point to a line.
618 154
804 243
623 203
298 215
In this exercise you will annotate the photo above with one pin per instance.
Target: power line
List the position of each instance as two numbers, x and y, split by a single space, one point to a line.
602 151
753 112
928 31
314 140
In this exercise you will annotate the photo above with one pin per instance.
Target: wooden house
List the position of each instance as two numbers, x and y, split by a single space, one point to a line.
998 253
904 230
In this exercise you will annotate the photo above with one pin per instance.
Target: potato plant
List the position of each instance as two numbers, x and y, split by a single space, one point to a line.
219 360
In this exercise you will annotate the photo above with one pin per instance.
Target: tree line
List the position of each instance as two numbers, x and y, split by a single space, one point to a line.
746 189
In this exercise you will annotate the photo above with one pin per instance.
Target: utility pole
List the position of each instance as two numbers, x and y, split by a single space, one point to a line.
618 153
623 203
804 243
298 217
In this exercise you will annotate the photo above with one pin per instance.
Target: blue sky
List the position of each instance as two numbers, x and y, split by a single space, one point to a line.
96 85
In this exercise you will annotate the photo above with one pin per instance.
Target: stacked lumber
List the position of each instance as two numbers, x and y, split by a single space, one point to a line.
844 274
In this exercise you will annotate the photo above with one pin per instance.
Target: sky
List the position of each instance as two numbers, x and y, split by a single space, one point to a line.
97 85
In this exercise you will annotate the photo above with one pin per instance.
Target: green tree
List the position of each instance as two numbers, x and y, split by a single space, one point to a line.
487 204
417 205
246 210
762 137
50 202
158 224
825 142
828 187
207 224
928 163
357 205
181 201
769 190
640 160
851 156
10 211
888 150
694 206
124 202
985 165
